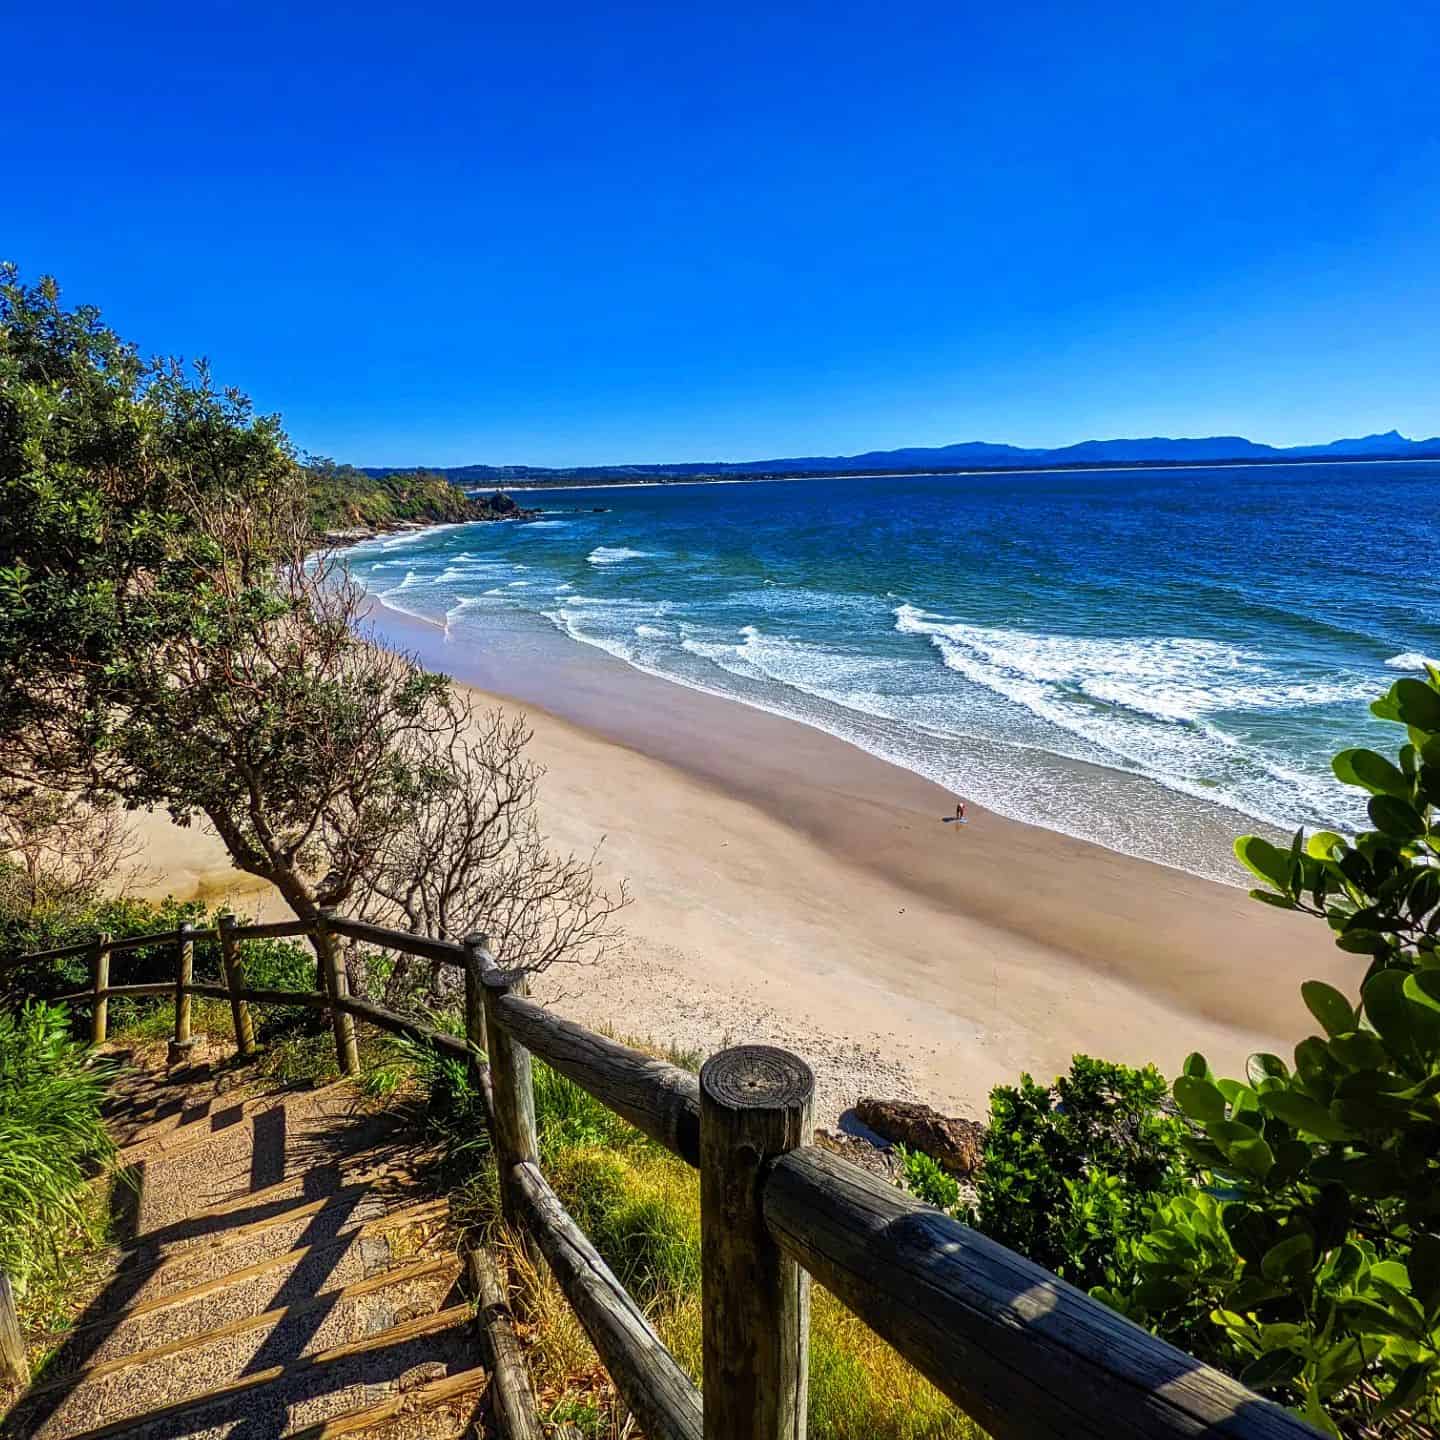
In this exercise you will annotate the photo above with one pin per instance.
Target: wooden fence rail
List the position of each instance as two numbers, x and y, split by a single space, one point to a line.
1025 1354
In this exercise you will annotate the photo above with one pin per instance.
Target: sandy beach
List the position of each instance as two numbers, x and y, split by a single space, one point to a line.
793 889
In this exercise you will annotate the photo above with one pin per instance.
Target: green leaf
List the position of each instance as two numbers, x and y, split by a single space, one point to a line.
1302 1113
1408 1027
1393 816
1323 844
1360 1050
1275 1367
1415 704
1328 1006
1424 1268
1423 988
1371 772
1199 1099
1412 1383
1315 1414
1262 858
1253 1157
1292 1258
1263 1066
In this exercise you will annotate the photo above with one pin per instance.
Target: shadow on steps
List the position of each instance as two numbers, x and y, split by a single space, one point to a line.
312 1161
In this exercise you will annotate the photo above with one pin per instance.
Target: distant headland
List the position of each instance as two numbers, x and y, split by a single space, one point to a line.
968 455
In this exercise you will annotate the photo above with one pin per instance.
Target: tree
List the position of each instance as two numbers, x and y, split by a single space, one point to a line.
61 851
471 859
168 638
104 458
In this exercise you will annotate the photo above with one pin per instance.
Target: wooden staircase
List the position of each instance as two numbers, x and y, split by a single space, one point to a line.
286 1273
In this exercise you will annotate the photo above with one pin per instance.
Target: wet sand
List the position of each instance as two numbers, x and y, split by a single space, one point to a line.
791 888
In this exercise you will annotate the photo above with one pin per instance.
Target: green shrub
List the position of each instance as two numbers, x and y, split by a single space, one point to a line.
1311 1264
926 1180
1074 1168
50 1132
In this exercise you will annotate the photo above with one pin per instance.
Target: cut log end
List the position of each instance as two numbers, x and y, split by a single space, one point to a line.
757 1077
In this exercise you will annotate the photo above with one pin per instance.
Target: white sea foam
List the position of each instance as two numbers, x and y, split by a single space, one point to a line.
388 598
652 632
1150 703
615 555
1170 678
1410 660
408 537
462 608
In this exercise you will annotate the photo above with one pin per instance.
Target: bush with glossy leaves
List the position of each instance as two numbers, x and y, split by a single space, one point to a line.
1310 1263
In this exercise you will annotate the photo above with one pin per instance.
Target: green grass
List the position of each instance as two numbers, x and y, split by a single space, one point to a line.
52 1140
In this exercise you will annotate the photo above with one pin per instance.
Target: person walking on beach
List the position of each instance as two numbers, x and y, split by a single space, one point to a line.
958 818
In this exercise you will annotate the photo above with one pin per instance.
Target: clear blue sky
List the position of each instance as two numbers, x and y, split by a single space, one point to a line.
578 232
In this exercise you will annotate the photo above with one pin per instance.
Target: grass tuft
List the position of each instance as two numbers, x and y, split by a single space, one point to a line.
52 1139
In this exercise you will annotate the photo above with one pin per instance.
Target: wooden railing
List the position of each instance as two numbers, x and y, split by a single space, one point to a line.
1020 1351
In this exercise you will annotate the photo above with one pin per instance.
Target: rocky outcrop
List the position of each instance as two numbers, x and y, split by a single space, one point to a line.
956 1144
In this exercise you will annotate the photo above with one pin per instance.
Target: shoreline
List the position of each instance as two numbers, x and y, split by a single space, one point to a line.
793 889
1154 957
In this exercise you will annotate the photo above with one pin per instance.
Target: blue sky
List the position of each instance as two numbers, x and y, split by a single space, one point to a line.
584 233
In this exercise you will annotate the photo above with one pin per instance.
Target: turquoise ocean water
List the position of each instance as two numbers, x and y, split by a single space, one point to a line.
1019 637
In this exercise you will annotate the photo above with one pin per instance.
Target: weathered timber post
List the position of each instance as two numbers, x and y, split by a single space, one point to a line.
514 1137
12 1343
234 967
183 1044
337 986
756 1103
477 961
99 983
513 1395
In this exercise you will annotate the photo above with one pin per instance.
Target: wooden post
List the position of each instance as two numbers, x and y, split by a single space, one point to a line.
183 1044
234 967
514 1396
100 982
756 1103
477 961
337 986
13 1365
514 1137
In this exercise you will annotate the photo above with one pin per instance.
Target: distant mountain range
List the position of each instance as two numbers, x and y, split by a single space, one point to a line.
970 454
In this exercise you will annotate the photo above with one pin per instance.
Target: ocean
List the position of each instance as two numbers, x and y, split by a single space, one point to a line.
1038 642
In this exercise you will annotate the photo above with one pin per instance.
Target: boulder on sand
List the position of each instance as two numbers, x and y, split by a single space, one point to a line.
958 1145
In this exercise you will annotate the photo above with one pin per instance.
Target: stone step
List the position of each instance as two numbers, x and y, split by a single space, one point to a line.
360 1376
302 1197
313 1134
313 1235
441 1409
161 1116
167 1369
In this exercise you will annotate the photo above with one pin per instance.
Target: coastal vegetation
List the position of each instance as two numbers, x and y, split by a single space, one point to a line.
52 1141
169 638
341 497
1284 1226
